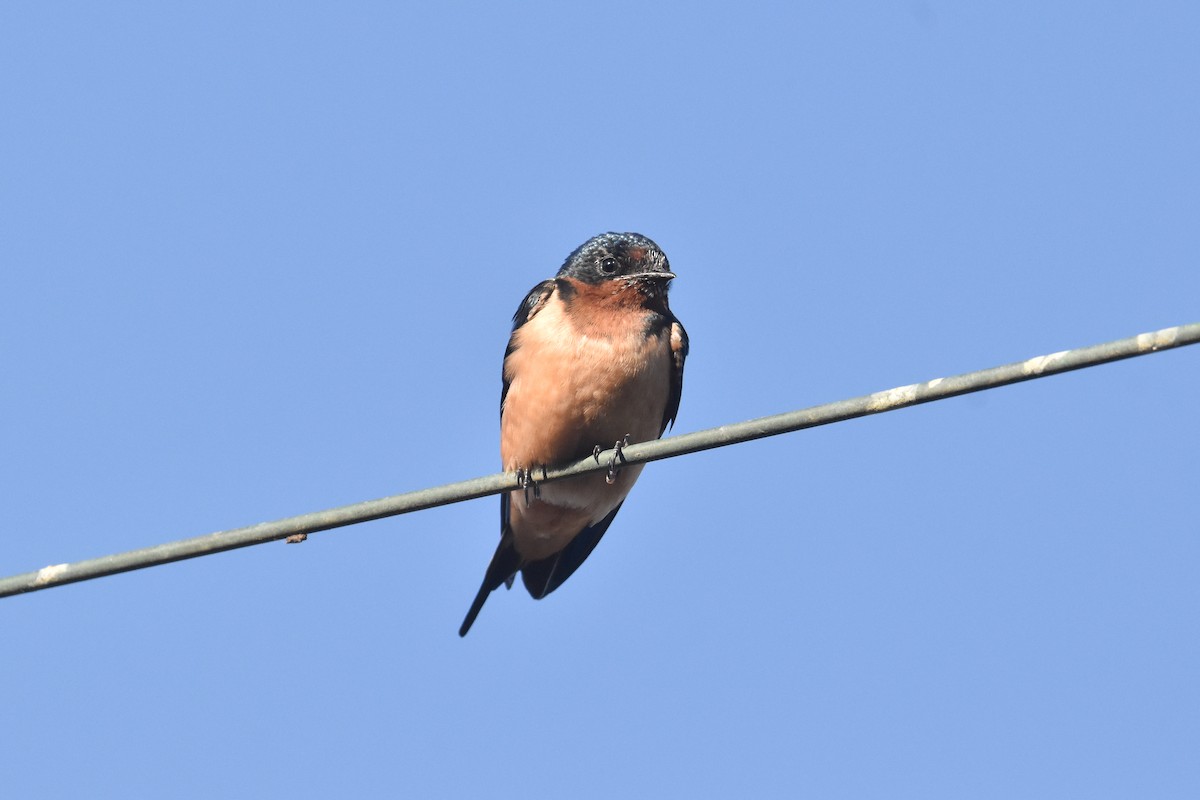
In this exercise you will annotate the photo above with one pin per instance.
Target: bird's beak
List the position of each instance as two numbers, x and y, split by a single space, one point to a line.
652 276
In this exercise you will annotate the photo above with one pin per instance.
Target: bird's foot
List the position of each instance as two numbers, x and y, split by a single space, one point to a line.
526 483
618 454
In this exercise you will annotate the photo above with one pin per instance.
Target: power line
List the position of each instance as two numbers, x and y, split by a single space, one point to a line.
877 403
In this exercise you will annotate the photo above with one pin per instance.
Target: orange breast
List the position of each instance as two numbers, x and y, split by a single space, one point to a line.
577 380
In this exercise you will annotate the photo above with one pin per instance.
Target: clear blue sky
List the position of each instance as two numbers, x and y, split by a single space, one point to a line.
261 259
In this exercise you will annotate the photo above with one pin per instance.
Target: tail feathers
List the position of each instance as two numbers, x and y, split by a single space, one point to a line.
544 576
540 577
504 566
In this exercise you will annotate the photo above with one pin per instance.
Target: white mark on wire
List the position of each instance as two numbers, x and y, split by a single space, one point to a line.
1152 341
48 574
900 396
1039 364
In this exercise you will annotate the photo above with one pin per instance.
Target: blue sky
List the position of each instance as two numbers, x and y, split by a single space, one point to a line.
261 259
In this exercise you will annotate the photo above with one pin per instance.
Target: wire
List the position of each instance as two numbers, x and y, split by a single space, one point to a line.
877 403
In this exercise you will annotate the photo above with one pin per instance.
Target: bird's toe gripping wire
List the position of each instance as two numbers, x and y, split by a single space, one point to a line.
618 454
526 483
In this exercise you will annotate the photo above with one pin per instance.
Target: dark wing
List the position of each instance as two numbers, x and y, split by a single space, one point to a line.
532 304
543 577
505 561
679 351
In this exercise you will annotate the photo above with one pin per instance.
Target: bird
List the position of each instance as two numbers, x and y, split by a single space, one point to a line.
595 360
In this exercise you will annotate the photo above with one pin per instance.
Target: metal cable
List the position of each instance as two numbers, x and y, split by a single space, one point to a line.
879 402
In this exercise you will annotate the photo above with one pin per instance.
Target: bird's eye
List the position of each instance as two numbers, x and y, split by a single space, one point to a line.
608 265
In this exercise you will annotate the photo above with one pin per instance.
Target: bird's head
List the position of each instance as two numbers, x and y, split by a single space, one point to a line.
629 257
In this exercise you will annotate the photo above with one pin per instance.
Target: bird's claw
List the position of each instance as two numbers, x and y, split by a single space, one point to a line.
618 453
525 482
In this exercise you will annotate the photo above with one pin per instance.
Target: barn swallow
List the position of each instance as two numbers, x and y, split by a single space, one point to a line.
595 358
